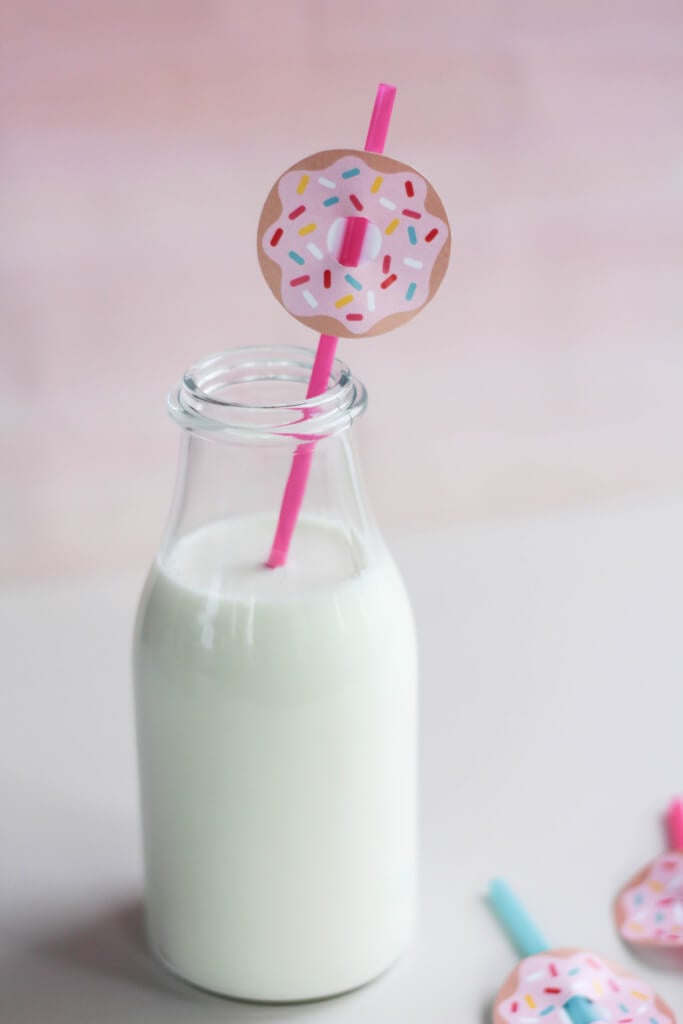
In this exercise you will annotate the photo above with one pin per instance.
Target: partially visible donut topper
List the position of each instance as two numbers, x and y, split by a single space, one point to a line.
565 986
649 908
398 265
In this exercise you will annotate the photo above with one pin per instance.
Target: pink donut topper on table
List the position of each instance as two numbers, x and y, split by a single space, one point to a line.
395 218
565 986
649 909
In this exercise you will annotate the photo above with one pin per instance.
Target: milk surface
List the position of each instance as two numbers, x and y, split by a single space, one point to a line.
277 727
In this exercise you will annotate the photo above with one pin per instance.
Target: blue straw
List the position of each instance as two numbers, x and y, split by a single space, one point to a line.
514 920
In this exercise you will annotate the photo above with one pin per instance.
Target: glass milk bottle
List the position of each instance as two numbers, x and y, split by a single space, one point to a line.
276 708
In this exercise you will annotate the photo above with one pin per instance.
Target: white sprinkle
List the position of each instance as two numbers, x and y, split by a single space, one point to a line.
640 916
313 248
677 913
578 986
310 299
642 1009
409 262
388 203
370 296
564 1015
675 882
327 183
537 974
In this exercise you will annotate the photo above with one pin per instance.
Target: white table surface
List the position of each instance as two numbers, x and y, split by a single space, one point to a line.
552 737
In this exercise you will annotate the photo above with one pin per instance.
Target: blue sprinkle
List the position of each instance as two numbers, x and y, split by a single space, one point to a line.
653 1020
548 1009
411 291
352 281
659 916
623 1007
639 898
295 256
574 970
351 173
331 201
412 235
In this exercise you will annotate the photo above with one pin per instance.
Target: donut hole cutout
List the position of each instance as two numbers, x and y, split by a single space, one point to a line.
581 1010
372 242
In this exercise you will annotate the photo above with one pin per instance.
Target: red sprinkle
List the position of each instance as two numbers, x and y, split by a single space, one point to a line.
432 235
514 1006
612 984
386 264
356 202
297 213
327 278
277 235
410 191
299 280
389 281
553 991
354 316
592 962
553 970
667 899
412 213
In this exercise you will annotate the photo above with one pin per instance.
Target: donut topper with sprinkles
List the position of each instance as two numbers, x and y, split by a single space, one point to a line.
352 244
570 986
649 909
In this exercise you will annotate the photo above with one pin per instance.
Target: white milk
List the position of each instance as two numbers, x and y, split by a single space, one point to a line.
276 726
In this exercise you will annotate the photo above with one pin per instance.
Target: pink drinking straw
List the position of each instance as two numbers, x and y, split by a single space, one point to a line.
352 247
674 821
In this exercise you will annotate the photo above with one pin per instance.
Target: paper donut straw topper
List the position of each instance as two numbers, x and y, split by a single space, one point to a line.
352 245
565 985
649 908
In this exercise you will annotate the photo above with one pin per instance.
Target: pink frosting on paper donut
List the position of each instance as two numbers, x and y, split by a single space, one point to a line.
403 242
542 985
650 907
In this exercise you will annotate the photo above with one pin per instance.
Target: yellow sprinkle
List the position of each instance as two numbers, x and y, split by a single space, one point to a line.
307 230
376 184
344 301
639 995
301 187
392 227
598 988
636 927
657 886
530 1002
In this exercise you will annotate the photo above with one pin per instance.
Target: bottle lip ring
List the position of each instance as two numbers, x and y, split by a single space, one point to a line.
201 401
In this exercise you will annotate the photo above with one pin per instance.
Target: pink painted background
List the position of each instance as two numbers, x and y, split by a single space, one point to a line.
138 144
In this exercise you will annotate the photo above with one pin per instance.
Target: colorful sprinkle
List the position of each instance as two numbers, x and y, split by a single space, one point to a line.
370 299
410 191
417 264
353 282
327 278
544 1013
310 299
354 316
276 236
297 213
612 984
412 234
392 227
351 173
656 886
553 991
415 214
296 281
574 970
593 963
638 995
514 1006
356 202
326 183
375 187
387 203
535 976
553 970
411 290
295 256
388 281
432 235
623 1007
307 229
344 301
529 1000
386 264
303 183
331 201
314 250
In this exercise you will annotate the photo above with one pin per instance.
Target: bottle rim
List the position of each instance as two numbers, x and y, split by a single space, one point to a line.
208 398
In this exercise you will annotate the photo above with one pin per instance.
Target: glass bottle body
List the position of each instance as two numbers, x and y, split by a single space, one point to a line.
276 709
